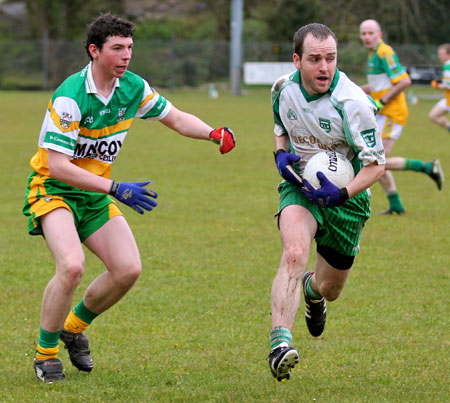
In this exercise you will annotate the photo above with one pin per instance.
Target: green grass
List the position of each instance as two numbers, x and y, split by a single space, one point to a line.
195 327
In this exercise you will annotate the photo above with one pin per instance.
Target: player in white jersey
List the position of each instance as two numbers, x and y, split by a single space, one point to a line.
318 108
67 199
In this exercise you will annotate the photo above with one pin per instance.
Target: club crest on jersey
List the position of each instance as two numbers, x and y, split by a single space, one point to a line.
291 115
325 124
65 120
121 114
369 137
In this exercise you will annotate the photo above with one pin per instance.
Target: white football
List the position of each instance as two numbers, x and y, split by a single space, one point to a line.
336 167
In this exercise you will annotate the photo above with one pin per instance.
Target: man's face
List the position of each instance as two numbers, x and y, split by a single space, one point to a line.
443 55
114 57
370 34
318 64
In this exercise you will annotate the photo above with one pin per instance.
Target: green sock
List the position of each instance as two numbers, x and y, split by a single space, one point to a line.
394 201
84 314
48 339
311 293
278 335
418 166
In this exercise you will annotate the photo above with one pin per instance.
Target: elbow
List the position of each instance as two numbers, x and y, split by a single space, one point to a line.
380 171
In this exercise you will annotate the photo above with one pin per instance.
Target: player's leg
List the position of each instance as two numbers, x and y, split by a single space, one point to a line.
438 114
297 229
432 168
64 244
115 245
387 180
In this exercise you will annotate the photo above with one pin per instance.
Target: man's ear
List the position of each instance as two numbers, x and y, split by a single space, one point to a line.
93 50
296 59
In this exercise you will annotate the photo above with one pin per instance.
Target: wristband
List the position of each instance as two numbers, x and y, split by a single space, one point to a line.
343 193
279 151
114 188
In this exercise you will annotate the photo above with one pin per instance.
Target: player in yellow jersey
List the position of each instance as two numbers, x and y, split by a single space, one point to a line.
387 80
68 195
442 108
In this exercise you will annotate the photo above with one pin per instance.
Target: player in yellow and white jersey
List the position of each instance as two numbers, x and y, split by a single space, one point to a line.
437 114
68 194
387 80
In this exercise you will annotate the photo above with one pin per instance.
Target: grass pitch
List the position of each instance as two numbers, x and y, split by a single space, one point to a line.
195 327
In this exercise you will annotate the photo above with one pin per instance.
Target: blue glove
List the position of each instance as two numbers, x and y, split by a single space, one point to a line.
134 194
329 195
283 160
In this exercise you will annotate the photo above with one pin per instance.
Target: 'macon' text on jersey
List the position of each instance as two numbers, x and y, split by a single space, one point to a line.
101 150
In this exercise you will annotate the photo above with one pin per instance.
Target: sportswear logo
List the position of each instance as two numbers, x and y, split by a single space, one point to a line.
48 199
127 194
369 137
291 115
325 124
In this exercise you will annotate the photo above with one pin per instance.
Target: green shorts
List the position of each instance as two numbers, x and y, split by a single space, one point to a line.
339 228
90 210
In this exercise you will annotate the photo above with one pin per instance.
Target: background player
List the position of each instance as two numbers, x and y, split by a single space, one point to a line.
437 114
309 107
67 199
387 80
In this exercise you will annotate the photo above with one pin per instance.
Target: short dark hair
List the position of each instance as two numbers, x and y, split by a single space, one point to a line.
104 26
318 31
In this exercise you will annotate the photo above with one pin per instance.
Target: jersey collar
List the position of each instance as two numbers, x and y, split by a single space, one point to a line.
90 84
296 77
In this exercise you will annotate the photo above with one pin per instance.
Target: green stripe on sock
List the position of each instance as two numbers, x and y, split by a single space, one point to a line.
48 339
311 293
280 335
84 314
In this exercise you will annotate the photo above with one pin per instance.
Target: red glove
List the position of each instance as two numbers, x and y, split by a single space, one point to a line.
225 137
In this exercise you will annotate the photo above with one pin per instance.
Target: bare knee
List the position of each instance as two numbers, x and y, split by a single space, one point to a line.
330 291
127 276
70 273
295 259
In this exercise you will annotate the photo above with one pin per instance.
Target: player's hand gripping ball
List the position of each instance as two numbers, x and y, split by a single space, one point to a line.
324 179
224 137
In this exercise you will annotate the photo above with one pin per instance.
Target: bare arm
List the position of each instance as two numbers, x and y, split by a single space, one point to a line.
366 177
396 89
282 142
186 124
62 169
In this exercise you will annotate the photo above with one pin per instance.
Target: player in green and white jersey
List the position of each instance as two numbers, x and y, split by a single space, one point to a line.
318 108
387 80
442 108
68 194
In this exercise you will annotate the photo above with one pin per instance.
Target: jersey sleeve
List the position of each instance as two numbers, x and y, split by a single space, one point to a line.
391 64
61 125
279 128
153 106
362 132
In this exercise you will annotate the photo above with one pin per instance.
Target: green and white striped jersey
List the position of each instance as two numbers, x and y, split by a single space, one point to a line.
91 129
341 120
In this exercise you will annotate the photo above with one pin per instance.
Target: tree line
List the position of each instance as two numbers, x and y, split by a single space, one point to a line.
403 21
